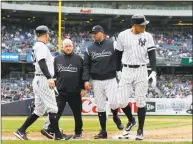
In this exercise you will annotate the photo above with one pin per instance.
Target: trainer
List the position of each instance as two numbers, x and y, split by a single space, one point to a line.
68 72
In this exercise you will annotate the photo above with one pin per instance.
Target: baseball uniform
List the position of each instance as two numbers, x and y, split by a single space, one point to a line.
45 100
135 48
100 66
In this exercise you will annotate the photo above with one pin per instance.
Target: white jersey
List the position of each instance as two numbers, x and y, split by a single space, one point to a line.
41 51
135 47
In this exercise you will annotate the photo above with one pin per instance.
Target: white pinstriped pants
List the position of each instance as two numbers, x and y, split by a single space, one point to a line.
45 100
133 79
105 89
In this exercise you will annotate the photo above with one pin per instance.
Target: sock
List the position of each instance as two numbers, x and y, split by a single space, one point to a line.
115 113
127 111
58 115
102 119
50 128
29 121
54 123
141 117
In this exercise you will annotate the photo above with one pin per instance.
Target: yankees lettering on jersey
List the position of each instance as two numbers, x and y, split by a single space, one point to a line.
104 53
68 73
69 68
100 61
135 47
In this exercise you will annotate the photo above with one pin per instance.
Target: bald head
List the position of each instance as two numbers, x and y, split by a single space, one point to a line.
67 46
66 41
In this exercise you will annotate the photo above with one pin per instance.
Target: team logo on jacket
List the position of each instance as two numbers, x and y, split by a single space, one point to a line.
102 54
69 68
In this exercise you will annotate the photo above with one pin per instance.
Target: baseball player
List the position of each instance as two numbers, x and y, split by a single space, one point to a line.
43 86
100 66
69 83
135 49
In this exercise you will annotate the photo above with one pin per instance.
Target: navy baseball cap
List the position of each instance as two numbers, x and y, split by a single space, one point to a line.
139 19
97 28
40 30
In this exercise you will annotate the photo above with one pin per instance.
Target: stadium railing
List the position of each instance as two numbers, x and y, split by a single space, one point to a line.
108 5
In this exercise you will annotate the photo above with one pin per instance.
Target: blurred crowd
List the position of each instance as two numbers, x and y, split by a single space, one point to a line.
16 39
178 86
19 40
18 86
171 46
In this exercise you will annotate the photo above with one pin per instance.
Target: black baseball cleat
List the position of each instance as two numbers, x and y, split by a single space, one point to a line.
60 136
47 133
118 123
139 135
21 135
129 126
77 136
68 137
101 135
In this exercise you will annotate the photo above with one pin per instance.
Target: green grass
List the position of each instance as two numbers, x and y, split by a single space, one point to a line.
95 117
90 142
91 123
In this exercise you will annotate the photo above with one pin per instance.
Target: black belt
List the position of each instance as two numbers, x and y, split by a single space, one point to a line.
39 74
132 66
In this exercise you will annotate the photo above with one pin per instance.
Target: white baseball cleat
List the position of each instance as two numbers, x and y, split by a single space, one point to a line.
139 135
131 137
129 126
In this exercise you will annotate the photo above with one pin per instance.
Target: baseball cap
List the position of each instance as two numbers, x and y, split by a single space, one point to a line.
97 28
40 30
139 19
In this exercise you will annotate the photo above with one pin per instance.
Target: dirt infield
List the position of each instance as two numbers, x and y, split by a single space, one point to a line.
183 133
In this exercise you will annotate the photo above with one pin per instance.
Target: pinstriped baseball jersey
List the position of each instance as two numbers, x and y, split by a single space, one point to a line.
45 100
41 51
135 47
